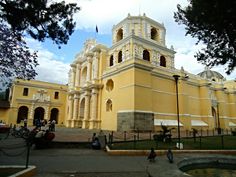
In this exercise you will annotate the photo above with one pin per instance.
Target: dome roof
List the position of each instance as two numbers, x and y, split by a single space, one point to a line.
211 75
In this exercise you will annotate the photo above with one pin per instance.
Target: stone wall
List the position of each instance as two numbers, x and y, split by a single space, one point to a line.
129 121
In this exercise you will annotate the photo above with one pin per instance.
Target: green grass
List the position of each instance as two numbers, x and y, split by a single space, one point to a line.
211 143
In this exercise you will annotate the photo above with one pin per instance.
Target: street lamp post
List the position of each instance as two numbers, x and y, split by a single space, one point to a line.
176 77
218 120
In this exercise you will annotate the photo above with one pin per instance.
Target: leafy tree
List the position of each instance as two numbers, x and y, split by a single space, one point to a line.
212 22
16 60
40 19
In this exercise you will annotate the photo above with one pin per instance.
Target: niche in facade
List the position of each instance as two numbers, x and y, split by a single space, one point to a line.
163 61
154 34
120 57
111 61
109 85
109 105
83 76
146 55
119 35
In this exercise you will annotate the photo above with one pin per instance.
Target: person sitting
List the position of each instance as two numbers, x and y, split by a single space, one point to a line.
152 155
96 144
170 156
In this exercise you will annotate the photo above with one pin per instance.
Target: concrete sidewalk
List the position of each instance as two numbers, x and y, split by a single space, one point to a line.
94 163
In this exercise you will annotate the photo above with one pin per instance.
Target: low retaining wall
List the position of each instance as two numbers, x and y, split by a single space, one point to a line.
163 152
25 172
199 162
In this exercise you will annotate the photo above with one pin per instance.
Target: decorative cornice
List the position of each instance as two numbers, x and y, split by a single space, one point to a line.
143 41
39 86
46 103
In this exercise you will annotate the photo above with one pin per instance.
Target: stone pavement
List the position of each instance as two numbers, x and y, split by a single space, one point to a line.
92 163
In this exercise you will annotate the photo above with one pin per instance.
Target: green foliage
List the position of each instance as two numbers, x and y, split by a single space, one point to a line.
212 22
40 18
211 142
16 60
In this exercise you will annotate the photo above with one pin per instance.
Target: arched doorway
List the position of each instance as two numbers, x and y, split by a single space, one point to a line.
54 114
22 114
82 106
38 114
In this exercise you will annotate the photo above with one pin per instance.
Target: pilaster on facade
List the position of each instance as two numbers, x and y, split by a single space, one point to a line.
86 110
73 72
76 107
71 102
89 67
78 71
95 66
94 106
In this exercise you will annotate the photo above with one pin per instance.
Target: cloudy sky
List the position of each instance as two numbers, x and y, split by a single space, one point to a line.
54 63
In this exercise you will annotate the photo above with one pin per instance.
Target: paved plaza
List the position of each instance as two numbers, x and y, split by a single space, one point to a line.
72 162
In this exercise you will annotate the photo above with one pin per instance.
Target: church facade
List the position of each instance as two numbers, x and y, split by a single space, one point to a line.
132 85
34 100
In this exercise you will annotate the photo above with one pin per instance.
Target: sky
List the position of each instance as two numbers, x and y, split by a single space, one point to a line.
54 63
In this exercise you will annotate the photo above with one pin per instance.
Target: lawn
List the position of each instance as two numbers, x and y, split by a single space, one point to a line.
211 143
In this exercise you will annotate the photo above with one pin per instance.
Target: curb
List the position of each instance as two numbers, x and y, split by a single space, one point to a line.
163 152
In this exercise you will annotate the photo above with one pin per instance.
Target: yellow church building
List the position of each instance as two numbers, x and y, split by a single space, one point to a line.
33 100
132 85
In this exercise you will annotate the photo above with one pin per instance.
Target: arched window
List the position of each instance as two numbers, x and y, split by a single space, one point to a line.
120 57
154 34
22 114
163 61
109 85
119 35
111 62
109 105
146 55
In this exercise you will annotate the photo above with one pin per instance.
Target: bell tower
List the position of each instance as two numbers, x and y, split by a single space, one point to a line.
139 37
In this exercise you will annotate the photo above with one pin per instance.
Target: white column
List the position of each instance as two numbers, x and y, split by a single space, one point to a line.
73 67
31 115
86 110
96 65
75 110
70 114
77 77
46 112
75 107
93 123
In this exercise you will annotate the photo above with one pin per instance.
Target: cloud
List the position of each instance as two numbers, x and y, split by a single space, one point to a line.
51 67
105 14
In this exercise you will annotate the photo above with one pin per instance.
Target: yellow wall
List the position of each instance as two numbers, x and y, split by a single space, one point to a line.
121 96
18 100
